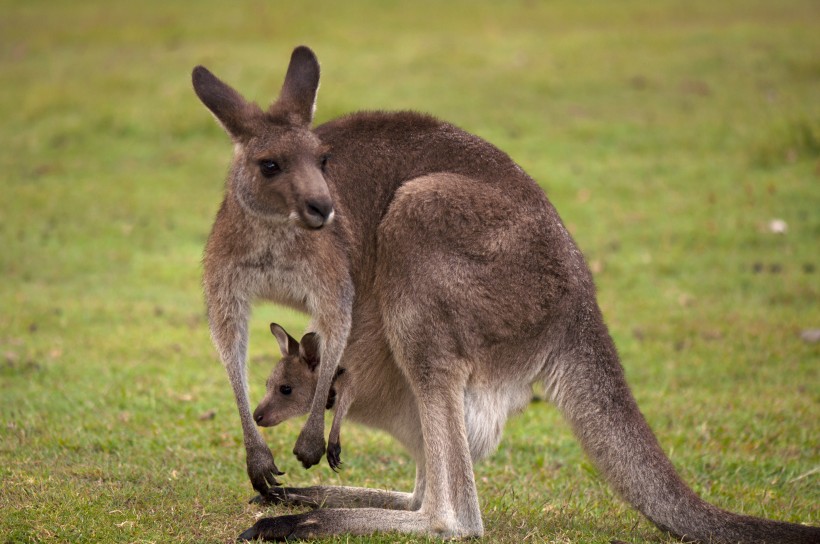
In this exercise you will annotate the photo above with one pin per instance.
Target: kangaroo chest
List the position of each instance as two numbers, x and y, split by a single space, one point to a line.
280 272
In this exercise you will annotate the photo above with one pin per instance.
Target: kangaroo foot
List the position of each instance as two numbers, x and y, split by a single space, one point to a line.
271 529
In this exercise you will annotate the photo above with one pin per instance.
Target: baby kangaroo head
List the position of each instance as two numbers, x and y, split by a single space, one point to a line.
290 388
279 164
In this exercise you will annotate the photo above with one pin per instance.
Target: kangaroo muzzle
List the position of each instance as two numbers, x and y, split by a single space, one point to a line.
317 212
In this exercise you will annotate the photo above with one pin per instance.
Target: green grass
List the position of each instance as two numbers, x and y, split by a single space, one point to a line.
668 135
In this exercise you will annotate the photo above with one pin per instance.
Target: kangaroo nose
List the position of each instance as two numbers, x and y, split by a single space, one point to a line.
318 212
258 416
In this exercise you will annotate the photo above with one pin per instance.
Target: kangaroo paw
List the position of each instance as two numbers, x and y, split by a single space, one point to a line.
334 452
261 469
310 447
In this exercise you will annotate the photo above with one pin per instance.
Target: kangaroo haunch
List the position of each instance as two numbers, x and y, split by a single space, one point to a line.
435 270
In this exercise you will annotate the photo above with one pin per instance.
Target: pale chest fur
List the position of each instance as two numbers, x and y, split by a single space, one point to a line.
282 269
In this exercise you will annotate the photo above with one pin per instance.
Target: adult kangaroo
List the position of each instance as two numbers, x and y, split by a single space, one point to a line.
438 271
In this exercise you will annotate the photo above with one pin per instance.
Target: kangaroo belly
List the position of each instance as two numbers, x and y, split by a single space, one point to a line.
486 410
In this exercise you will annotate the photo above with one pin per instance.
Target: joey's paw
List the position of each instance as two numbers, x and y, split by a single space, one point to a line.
309 448
271 529
262 470
334 455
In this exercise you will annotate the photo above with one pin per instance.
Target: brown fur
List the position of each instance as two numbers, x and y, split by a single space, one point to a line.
446 283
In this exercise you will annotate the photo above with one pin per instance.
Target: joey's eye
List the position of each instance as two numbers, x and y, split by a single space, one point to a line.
285 389
269 168
323 162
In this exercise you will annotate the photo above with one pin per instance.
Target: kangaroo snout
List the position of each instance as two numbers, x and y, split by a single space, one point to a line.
317 212
259 416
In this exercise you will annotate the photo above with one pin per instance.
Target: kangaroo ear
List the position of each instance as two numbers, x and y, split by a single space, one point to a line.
309 350
298 96
231 110
287 344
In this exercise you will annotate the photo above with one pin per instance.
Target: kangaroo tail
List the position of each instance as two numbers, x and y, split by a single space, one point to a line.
588 386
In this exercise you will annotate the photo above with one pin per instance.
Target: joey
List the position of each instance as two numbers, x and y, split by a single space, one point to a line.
291 386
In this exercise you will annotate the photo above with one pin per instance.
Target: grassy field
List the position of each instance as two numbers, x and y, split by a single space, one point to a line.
668 134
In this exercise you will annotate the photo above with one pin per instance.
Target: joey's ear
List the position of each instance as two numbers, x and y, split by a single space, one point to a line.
287 344
309 350
227 105
297 99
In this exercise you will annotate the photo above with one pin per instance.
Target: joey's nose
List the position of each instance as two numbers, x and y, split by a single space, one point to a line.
258 416
318 212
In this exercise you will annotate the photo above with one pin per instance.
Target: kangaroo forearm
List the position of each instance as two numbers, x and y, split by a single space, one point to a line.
228 318
310 446
228 321
336 426
335 328
235 367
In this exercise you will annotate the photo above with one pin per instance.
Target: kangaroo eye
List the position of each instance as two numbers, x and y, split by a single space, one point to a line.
269 168
285 389
323 162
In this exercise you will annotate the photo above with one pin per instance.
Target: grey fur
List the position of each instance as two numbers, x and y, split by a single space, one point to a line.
436 270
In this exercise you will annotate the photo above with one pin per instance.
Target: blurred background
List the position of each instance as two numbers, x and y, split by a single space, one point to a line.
680 141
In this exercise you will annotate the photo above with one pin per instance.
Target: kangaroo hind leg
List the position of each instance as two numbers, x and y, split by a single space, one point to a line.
450 500
449 507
